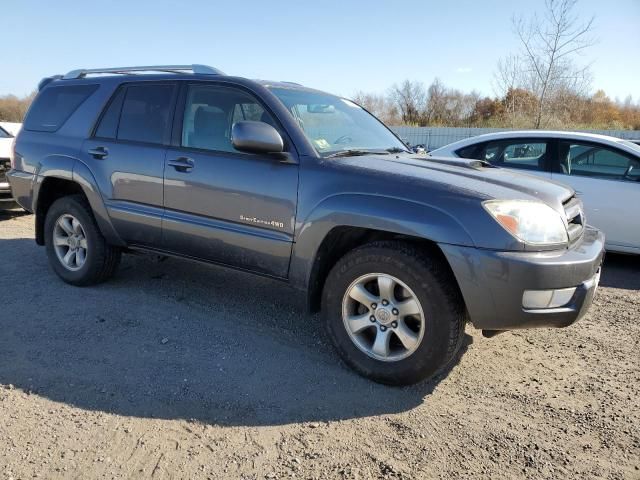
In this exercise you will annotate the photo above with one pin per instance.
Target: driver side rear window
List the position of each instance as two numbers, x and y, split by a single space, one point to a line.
138 113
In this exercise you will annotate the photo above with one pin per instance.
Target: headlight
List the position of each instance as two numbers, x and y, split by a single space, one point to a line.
529 221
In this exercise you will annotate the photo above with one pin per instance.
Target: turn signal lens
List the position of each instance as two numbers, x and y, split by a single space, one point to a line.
508 222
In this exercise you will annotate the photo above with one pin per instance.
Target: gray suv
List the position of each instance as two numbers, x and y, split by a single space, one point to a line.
307 188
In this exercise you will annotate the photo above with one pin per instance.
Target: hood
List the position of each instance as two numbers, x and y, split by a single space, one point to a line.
471 176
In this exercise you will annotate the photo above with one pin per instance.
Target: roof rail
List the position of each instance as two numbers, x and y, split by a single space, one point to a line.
195 68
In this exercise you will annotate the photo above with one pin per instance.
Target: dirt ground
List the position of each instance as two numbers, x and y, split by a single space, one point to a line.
179 370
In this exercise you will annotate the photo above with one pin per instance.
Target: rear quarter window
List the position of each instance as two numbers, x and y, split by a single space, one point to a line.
53 107
471 151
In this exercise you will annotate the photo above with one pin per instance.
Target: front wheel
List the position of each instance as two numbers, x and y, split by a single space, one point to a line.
77 251
394 313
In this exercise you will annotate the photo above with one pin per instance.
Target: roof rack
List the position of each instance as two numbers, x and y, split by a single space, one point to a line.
195 68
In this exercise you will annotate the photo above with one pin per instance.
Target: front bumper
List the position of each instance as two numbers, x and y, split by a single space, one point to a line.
5 192
5 189
493 283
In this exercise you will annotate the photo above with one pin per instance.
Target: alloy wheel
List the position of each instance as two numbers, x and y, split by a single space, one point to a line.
70 242
383 317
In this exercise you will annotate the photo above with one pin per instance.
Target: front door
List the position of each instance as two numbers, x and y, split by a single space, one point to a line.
222 205
608 182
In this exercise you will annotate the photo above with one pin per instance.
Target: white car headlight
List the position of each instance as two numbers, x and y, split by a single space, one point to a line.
532 222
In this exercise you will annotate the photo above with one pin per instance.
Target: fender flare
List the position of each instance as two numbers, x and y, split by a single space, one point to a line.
375 212
71 169
53 166
83 177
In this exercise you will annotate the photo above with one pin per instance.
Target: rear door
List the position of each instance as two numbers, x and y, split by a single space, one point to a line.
527 155
608 181
223 205
126 155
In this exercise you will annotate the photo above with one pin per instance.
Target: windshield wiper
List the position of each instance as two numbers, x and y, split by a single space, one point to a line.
397 150
355 153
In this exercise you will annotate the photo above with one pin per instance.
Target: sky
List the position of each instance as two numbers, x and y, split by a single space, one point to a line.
339 46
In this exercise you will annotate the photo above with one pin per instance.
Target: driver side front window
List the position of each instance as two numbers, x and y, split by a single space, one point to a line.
592 160
210 112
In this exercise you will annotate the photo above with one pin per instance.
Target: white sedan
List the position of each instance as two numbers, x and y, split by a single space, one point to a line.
604 171
7 134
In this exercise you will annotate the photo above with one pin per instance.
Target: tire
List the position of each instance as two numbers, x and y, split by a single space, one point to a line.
414 275
100 259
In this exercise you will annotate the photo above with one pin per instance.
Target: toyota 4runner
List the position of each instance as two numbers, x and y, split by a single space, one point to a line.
304 187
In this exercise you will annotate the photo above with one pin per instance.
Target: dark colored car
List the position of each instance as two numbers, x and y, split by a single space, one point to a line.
307 188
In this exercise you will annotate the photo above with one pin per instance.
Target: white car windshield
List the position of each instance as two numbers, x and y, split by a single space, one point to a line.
336 125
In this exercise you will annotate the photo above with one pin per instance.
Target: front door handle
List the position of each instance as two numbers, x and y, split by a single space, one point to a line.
98 152
182 164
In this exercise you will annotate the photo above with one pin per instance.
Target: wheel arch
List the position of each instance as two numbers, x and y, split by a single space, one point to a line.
341 240
63 176
344 222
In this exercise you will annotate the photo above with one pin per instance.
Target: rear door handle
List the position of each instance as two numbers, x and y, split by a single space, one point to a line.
98 152
182 164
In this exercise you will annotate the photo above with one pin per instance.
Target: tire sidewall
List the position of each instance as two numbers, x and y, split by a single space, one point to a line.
438 317
71 206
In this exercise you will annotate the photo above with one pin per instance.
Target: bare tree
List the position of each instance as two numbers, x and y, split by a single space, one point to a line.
435 111
550 45
507 78
440 105
380 105
409 97
13 109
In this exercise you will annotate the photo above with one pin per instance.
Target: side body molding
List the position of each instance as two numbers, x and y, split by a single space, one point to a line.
384 213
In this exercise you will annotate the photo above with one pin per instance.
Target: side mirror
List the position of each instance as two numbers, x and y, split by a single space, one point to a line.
256 137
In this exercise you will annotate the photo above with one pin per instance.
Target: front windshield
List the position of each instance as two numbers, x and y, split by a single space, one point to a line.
333 124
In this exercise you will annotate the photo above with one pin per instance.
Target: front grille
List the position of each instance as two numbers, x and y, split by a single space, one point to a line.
575 217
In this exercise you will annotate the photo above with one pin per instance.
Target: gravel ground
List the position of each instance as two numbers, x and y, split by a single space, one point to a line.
179 370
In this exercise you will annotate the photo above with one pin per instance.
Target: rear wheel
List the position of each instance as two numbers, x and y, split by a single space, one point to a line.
77 251
394 314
